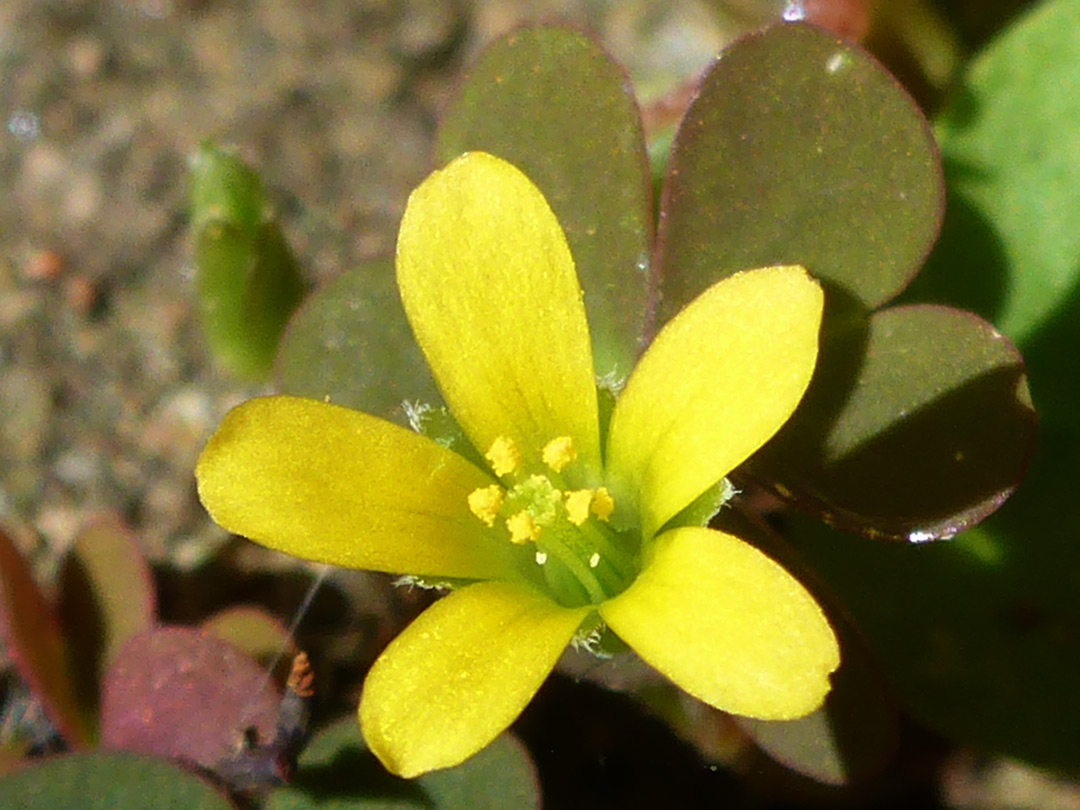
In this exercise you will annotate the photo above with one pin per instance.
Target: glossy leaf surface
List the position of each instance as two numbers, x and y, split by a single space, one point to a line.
32 636
350 342
337 772
917 424
550 102
798 149
106 596
247 279
105 781
184 694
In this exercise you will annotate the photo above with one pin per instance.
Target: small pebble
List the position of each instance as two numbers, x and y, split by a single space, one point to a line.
80 294
44 265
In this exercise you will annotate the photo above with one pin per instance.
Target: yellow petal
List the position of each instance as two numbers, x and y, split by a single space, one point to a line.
489 287
460 674
719 380
729 625
329 484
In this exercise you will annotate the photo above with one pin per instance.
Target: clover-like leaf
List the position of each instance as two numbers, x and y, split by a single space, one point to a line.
799 149
338 772
247 279
350 342
184 694
32 635
106 780
917 424
552 103
106 597
977 635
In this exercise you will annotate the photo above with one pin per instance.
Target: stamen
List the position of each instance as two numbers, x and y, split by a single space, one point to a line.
541 557
603 504
522 528
485 503
559 452
594 560
577 505
503 455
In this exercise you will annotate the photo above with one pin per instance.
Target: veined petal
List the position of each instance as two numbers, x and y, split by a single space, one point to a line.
460 674
719 380
489 287
334 485
729 625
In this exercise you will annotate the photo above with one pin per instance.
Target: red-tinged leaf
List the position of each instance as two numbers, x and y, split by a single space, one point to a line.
799 149
32 635
917 425
186 695
106 597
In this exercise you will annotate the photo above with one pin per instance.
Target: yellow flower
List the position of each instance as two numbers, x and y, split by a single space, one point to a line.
567 528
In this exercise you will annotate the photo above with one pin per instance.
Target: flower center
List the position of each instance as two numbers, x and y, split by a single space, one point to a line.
583 560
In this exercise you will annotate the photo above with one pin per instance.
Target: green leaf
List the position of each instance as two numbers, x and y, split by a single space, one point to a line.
337 772
1007 136
917 424
247 279
553 104
105 781
184 694
978 635
1010 246
32 636
799 149
350 342
224 189
12 757
106 597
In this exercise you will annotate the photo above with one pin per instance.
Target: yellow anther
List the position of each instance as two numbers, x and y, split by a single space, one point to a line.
577 505
522 528
559 452
603 504
503 455
485 503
